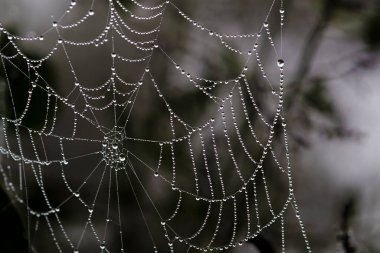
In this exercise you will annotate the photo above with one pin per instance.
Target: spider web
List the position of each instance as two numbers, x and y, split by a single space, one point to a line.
89 177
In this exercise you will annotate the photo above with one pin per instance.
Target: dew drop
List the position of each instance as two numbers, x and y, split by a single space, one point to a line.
280 63
122 158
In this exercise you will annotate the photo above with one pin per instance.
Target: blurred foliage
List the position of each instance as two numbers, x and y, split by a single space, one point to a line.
370 32
317 97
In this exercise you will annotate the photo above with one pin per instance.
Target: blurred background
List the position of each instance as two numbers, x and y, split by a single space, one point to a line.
331 53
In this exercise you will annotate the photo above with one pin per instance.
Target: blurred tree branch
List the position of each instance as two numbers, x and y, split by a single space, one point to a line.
301 98
347 215
310 48
313 41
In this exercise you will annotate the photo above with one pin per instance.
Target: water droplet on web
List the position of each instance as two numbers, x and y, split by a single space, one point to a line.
91 12
280 63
